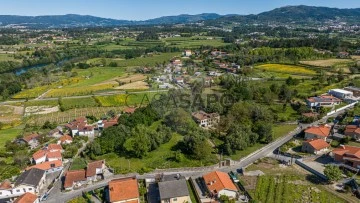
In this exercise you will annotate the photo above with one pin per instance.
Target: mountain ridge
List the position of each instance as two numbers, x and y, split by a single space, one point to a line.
286 14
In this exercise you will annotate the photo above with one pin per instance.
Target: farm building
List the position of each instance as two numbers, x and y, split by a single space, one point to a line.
206 120
340 93
354 90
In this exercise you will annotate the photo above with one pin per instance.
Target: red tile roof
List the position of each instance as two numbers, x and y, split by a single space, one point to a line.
54 155
65 138
54 147
129 110
323 130
28 138
74 176
347 150
39 154
26 198
318 144
92 166
123 189
217 181
46 165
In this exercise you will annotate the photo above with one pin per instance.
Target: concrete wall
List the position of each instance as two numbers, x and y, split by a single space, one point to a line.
308 168
342 108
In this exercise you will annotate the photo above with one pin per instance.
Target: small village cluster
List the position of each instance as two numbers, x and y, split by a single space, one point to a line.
318 138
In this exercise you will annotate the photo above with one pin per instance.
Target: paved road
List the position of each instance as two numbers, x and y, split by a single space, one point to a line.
56 194
40 98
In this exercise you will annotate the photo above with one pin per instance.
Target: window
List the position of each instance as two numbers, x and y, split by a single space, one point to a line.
30 189
174 199
17 190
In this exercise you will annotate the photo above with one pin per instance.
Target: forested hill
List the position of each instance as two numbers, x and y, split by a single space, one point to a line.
295 15
73 20
287 15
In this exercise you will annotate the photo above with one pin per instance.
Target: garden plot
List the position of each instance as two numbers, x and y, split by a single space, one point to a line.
134 86
10 113
40 110
327 62
125 79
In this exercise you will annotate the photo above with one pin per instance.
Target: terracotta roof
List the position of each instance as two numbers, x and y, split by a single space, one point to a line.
26 198
201 115
39 154
92 166
350 128
46 165
54 147
28 138
123 189
217 181
5 185
347 150
318 144
74 176
324 98
323 130
65 138
129 110
55 154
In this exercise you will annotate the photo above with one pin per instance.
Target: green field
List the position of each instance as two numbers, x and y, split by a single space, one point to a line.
8 135
130 99
78 103
7 57
148 60
193 42
159 158
78 163
42 103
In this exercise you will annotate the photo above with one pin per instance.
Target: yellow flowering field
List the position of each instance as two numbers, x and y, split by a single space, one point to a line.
291 69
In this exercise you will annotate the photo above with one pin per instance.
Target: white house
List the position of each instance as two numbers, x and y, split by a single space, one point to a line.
317 132
29 181
323 100
94 169
315 146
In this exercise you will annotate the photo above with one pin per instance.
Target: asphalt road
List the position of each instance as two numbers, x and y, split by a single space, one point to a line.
57 196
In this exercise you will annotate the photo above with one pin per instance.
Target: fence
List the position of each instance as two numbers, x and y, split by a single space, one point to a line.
313 171
342 108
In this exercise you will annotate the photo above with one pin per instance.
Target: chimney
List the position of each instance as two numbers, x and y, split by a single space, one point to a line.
342 146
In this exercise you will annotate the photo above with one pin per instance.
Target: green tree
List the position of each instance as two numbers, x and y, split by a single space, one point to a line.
332 172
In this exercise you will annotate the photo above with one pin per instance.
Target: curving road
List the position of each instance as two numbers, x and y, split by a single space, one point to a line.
57 196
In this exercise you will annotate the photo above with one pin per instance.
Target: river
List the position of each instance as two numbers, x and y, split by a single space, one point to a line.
23 70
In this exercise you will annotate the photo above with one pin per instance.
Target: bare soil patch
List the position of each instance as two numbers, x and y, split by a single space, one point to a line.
134 85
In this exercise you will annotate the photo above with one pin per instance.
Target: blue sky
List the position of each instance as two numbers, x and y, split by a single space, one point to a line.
145 9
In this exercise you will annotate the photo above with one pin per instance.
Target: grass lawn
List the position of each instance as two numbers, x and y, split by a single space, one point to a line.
192 192
287 114
78 163
282 130
194 42
163 157
8 135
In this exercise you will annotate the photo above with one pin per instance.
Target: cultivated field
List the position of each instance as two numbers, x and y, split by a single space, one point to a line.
289 69
9 113
134 86
285 184
66 116
327 62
